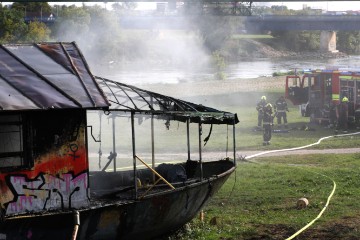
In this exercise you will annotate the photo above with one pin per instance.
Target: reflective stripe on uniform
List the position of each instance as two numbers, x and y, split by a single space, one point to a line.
335 97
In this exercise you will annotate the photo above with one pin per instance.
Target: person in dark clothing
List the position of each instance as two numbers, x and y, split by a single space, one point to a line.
342 114
260 108
281 108
332 115
267 124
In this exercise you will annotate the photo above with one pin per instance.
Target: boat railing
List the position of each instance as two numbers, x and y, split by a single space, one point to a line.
157 181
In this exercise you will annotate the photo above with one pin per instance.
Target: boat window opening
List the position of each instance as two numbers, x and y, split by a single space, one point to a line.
12 153
52 129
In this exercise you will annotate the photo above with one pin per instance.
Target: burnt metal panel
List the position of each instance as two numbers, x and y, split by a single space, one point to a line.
82 69
63 79
47 75
30 84
12 99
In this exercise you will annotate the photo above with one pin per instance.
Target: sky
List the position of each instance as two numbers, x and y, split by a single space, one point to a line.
330 6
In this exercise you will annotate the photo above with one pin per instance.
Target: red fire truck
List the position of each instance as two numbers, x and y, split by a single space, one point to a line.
318 92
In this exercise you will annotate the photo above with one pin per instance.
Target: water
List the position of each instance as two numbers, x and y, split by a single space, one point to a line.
266 67
245 69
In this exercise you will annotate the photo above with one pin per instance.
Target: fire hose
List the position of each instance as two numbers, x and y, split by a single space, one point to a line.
334 183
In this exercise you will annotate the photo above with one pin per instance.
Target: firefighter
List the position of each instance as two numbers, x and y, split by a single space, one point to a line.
281 108
332 115
342 114
267 123
260 108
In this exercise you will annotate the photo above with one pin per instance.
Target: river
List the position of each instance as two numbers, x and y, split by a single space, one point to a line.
254 68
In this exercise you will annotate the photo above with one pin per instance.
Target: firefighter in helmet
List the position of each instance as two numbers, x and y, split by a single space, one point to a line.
260 108
267 123
342 114
281 108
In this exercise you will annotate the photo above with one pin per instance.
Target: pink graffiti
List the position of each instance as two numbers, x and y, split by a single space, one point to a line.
47 192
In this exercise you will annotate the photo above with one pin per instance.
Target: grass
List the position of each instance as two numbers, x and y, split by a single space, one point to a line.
248 139
259 199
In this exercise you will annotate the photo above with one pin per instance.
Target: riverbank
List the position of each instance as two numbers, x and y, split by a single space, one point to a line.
208 88
262 49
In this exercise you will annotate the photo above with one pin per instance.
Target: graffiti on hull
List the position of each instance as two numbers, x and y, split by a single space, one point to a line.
47 192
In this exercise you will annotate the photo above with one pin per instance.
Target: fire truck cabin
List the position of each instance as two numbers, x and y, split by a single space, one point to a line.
318 92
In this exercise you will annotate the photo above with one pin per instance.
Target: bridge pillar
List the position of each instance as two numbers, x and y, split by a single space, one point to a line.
328 41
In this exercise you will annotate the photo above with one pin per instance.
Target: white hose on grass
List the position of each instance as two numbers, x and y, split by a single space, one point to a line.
298 148
334 183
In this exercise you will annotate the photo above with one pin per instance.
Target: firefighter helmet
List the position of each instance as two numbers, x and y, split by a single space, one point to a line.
268 105
263 98
345 99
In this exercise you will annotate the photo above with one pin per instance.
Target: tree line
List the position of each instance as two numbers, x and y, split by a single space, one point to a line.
99 31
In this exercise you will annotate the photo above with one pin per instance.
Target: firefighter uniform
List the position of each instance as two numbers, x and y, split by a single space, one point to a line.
260 108
267 124
281 109
342 114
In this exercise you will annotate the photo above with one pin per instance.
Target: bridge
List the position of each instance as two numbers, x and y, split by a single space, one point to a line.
303 22
253 23
328 24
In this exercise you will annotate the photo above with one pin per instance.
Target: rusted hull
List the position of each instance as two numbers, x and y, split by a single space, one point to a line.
153 216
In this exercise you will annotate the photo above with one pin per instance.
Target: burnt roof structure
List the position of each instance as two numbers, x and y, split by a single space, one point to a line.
125 97
44 76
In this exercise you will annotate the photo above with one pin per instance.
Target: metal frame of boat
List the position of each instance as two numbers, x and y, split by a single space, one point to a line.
48 188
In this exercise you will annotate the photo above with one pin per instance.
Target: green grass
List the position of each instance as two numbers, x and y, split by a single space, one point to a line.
259 199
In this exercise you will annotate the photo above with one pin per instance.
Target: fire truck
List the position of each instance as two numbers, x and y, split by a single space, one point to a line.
318 92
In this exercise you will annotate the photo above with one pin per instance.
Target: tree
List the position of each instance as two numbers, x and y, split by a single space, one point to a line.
72 24
12 25
33 9
37 32
123 7
298 40
215 30
104 32
348 41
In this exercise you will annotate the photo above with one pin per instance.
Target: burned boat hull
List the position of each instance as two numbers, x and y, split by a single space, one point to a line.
155 215
47 176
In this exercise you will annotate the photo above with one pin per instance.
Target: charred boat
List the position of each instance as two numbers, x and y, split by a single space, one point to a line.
54 181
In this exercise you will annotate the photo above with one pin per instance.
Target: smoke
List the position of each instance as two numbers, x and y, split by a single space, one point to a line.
110 44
